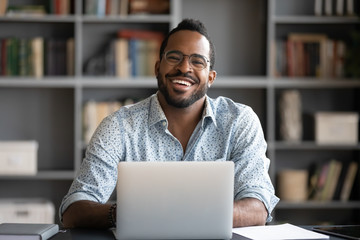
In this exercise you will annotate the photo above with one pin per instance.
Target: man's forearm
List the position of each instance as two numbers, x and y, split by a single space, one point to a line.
249 212
87 214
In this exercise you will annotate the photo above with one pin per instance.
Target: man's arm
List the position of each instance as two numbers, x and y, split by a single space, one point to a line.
249 212
87 214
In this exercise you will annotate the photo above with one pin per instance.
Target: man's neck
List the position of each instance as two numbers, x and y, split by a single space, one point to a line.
183 121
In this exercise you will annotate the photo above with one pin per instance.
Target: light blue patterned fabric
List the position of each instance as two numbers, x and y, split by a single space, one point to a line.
228 131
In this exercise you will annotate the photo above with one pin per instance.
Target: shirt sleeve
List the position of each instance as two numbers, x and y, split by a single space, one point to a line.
97 176
251 164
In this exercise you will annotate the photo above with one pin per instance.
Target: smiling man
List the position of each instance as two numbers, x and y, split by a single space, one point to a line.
178 123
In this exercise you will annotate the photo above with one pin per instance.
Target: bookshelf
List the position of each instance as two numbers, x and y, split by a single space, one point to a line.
49 109
327 93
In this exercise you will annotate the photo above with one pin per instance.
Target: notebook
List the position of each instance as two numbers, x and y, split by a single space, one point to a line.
175 200
28 231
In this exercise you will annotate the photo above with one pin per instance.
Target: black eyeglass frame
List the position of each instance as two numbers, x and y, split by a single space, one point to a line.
189 57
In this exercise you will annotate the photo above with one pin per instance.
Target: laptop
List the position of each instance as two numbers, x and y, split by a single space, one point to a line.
175 200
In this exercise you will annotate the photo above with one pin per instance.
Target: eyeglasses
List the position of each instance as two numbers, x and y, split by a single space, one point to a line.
196 61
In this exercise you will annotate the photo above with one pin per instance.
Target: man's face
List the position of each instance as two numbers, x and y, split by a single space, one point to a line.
181 84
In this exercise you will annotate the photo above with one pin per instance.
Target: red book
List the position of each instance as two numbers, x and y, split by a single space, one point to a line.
140 34
3 57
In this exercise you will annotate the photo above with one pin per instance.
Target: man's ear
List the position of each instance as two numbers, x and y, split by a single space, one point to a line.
211 78
157 67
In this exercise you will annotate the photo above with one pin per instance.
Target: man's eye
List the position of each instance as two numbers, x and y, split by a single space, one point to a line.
197 62
173 58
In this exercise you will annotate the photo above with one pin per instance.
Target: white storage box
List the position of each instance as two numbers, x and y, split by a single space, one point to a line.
26 211
336 127
18 157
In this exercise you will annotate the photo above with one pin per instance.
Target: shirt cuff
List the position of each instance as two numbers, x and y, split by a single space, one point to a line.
269 200
78 196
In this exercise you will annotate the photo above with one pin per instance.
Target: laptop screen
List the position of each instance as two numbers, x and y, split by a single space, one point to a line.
175 200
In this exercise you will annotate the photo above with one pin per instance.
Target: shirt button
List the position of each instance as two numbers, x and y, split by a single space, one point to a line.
164 123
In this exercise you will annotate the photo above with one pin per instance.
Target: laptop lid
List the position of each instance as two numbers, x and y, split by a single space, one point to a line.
175 200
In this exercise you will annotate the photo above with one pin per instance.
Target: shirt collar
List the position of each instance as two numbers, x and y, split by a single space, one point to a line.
157 114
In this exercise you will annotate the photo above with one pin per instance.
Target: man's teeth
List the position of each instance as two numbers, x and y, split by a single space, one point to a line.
182 82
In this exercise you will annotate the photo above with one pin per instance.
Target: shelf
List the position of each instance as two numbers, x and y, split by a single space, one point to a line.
315 20
45 82
127 19
109 82
145 82
307 145
319 205
45 18
44 175
297 82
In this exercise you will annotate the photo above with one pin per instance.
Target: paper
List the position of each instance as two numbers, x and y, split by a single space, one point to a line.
277 232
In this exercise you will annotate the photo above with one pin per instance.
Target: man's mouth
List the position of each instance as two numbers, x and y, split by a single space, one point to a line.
182 82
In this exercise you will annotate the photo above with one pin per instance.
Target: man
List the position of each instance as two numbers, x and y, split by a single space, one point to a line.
178 123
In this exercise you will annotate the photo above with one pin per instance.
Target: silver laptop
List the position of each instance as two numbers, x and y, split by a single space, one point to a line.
175 200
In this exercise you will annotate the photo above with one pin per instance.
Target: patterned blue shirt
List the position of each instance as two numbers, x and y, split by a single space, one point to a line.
228 131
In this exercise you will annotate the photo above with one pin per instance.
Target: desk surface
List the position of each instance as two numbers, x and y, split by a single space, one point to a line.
90 234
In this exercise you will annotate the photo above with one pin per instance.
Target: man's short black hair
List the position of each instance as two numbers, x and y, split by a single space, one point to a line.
191 25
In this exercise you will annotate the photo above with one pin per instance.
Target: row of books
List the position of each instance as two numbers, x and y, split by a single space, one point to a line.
56 7
103 8
309 55
36 57
133 53
333 180
334 7
94 112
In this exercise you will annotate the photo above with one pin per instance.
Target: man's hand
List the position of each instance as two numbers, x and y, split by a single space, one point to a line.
87 214
249 212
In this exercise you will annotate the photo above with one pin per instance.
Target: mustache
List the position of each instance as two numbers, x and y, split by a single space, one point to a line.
180 74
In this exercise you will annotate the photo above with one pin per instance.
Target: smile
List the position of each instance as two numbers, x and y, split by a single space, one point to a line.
182 82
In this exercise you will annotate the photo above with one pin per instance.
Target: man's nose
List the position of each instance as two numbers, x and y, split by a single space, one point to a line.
185 65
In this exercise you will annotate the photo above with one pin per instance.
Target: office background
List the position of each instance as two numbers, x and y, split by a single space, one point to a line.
48 104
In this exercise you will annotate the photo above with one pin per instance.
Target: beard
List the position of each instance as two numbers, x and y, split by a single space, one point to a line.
180 103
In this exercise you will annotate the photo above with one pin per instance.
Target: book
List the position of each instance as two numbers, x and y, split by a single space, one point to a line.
349 7
328 7
26 10
124 7
149 6
22 231
121 58
37 57
332 180
339 7
317 56
143 50
349 181
70 57
3 6
318 6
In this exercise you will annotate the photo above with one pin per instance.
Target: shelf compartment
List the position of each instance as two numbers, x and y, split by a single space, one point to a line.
24 118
